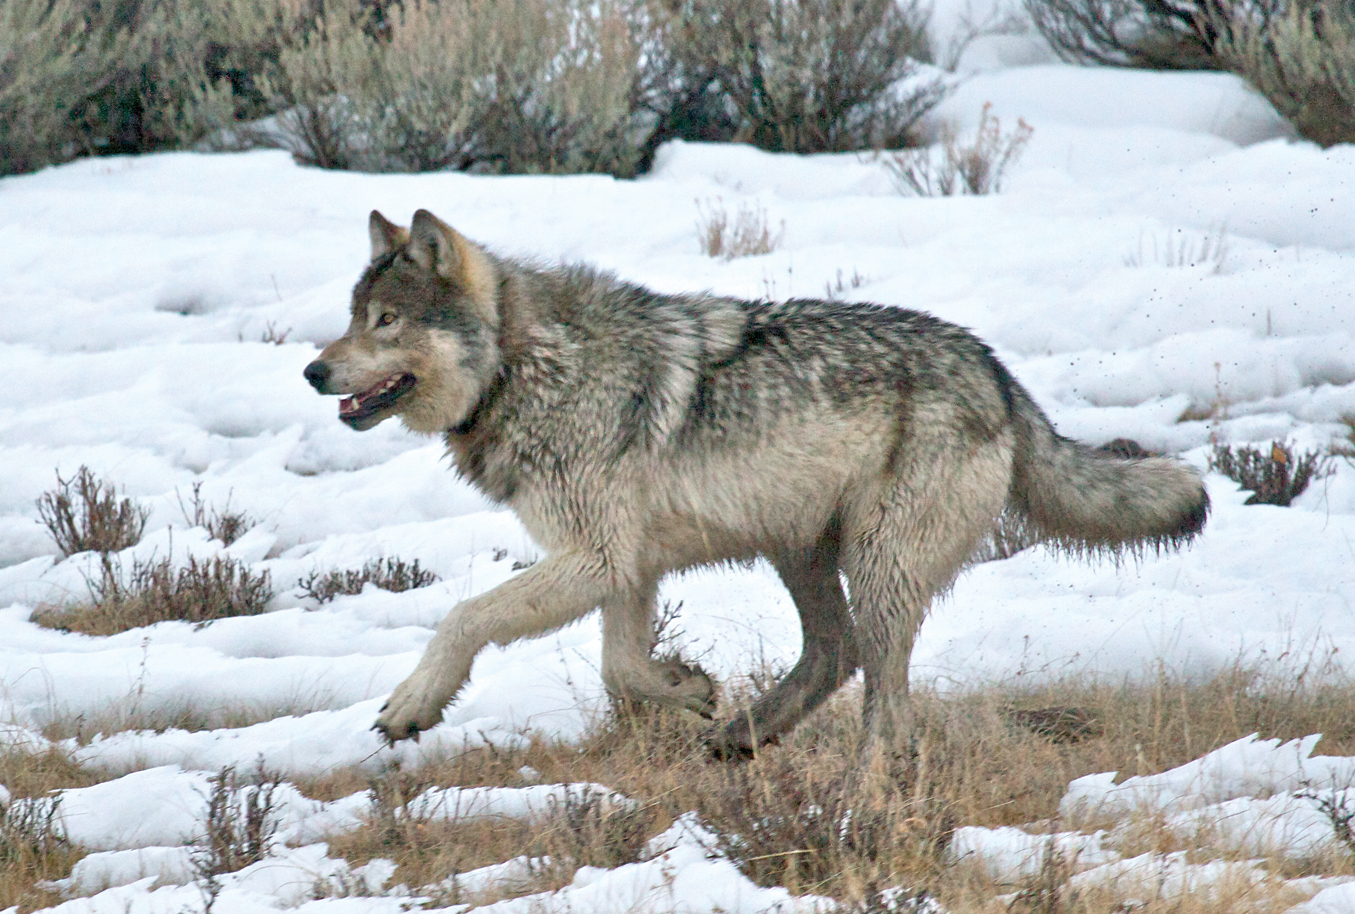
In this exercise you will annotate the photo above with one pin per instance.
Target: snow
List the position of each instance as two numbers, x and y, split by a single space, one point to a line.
682 874
1011 855
137 290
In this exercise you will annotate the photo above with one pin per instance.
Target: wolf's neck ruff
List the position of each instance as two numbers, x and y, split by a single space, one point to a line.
482 406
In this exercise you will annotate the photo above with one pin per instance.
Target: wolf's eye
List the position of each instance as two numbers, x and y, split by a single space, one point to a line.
386 319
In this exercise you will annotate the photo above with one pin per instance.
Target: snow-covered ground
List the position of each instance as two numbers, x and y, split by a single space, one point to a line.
137 289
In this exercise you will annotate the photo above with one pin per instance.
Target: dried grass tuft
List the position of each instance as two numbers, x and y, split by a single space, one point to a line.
200 592
84 514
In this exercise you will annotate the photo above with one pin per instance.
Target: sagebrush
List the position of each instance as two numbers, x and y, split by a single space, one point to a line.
808 76
1299 54
388 573
199 592
221 523
1275 474
1302 59
534 86
84 514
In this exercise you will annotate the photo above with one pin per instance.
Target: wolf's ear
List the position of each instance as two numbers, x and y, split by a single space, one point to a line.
436 246
386 235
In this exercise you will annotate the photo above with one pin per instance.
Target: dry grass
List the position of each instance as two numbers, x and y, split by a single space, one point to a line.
993 757
584 830
221 523
84 514
964 168
200 592
1181 249
29 851
747 234
393 574
121 716
238 829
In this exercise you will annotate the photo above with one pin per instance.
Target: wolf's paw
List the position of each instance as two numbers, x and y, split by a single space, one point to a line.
687 687
733 742
412 708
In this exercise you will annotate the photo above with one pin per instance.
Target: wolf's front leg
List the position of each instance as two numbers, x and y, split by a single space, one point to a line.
552 593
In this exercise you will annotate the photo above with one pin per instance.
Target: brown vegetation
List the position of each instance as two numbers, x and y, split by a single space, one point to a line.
1299 54
84 514
393 574
993 757
963 168
30 850
1275 474
746 234
155 591
220 523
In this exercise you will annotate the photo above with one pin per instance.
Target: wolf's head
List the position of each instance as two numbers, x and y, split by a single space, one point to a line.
423 341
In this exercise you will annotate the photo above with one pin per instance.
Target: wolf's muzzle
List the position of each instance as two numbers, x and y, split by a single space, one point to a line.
317 373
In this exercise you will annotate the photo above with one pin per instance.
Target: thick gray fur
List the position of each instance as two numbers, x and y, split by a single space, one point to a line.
637 434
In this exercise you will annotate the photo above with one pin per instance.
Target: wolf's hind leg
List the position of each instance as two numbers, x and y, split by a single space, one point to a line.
898 552
629 670
828 659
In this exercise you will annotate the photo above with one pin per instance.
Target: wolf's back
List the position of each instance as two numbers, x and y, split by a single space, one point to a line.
1089 500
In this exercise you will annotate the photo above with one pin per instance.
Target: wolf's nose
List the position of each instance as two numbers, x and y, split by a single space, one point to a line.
317 373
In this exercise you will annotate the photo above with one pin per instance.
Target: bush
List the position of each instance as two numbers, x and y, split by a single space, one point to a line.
201 592
84 514
1299 54
32 849
977 168
588 828
52 55
391 574
810 823
221 524
220 56
1155 34
238 829
1303 61
807 76
520 86
1276 476
508 86
748 235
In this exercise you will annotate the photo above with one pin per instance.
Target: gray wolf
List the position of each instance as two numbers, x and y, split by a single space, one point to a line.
637 434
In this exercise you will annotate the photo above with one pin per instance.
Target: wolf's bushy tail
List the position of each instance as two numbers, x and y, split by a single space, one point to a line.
1088 500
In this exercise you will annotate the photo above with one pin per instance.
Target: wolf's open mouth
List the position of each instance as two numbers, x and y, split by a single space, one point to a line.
364 404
